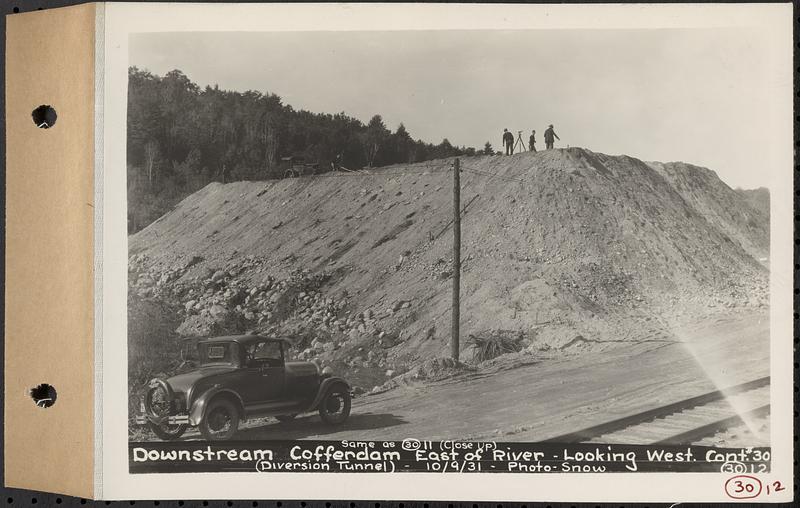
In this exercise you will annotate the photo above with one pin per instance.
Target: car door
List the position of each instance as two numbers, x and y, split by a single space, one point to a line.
265 369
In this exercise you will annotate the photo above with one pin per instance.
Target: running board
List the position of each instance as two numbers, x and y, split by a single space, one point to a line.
274 408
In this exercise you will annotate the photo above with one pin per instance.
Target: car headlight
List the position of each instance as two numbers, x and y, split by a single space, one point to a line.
327 371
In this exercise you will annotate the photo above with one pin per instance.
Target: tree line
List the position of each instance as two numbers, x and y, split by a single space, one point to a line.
182 137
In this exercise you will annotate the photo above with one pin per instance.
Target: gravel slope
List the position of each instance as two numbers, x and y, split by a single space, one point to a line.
579 251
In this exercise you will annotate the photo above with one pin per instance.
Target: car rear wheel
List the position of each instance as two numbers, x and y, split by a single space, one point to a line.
167 432
221 420
285 418
335 406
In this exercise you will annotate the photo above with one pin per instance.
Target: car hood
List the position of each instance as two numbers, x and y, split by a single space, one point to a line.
182 382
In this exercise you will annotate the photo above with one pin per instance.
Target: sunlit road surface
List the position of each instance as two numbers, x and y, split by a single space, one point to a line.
552 397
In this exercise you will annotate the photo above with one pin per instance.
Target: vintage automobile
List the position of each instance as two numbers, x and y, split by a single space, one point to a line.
237 378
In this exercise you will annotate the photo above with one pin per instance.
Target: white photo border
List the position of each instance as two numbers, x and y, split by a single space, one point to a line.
123 19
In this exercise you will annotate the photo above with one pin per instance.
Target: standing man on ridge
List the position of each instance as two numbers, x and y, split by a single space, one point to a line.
548 137
532 142
508 140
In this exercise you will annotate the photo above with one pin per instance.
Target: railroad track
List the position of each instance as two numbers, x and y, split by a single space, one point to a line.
688 421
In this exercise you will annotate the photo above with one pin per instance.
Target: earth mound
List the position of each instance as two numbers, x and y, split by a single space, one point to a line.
357 267
758 199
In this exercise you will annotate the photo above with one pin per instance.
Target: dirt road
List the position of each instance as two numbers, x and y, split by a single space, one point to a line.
551 397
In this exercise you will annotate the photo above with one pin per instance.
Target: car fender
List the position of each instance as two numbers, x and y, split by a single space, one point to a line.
326 384
200 404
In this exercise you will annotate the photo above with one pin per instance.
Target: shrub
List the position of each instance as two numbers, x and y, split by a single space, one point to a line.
491 344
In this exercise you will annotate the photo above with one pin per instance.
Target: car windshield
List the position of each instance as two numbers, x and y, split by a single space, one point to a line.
216 352
189 350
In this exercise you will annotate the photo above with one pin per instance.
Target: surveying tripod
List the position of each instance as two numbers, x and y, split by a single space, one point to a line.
519 142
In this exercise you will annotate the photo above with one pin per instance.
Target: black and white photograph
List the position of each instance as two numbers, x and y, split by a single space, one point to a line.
476 236
400 253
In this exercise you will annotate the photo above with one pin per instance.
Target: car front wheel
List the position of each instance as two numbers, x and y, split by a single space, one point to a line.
167 432
335 406
221 421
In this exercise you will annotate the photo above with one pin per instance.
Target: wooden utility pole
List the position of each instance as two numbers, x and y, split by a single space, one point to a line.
454 343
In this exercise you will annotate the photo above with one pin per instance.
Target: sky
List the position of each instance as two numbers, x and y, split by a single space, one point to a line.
691 95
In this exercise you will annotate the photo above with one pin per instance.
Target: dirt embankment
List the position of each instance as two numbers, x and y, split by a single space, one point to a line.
758 199
744 221
572 249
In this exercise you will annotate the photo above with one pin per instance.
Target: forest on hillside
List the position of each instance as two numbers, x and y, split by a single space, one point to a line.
182 137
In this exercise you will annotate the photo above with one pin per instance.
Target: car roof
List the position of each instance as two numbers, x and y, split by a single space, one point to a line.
244 339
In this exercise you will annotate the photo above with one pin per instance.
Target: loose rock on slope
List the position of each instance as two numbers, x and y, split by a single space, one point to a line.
556 244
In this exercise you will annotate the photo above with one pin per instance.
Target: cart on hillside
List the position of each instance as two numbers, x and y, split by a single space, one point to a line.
297 166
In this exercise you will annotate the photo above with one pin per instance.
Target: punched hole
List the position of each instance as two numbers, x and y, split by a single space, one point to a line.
44 116
44 395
